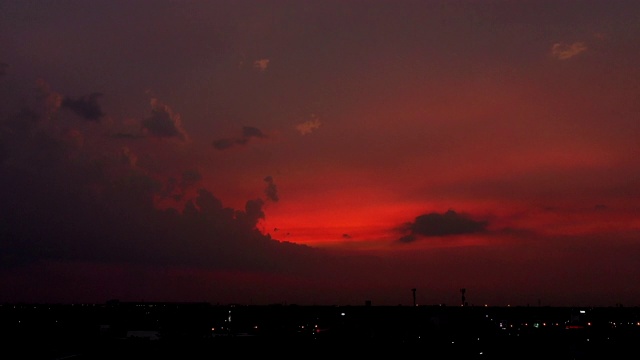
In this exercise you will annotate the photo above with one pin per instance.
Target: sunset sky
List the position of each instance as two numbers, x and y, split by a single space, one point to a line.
320 152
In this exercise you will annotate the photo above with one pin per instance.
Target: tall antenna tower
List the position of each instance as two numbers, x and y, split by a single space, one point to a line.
462 291
414 296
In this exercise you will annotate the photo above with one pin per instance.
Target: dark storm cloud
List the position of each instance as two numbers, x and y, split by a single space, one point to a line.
86 107
163 122
248 133
253 213
122 135
101 206
190 177
222 144
22 122
176 188
160 124
271 191
447 224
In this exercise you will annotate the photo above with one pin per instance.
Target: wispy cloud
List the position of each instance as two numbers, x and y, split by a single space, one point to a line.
261 64
563 51
50 101
308 126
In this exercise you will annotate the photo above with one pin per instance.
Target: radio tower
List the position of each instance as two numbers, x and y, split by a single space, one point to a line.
414 296
462 291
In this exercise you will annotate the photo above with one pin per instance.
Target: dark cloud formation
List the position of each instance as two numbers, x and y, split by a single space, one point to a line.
62 203
163 122
447 224
176 188
252 132
222 144
122 135
248 133
271 191
451 76
85 209
86 107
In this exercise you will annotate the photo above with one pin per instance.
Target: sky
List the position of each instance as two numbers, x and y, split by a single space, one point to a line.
320 152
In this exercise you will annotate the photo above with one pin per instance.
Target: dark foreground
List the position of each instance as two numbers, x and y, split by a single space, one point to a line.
204 331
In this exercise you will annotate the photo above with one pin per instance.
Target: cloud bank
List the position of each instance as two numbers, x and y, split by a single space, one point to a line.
68 197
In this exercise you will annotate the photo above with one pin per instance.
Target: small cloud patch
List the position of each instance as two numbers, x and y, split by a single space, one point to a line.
308 126
261 64
563 51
